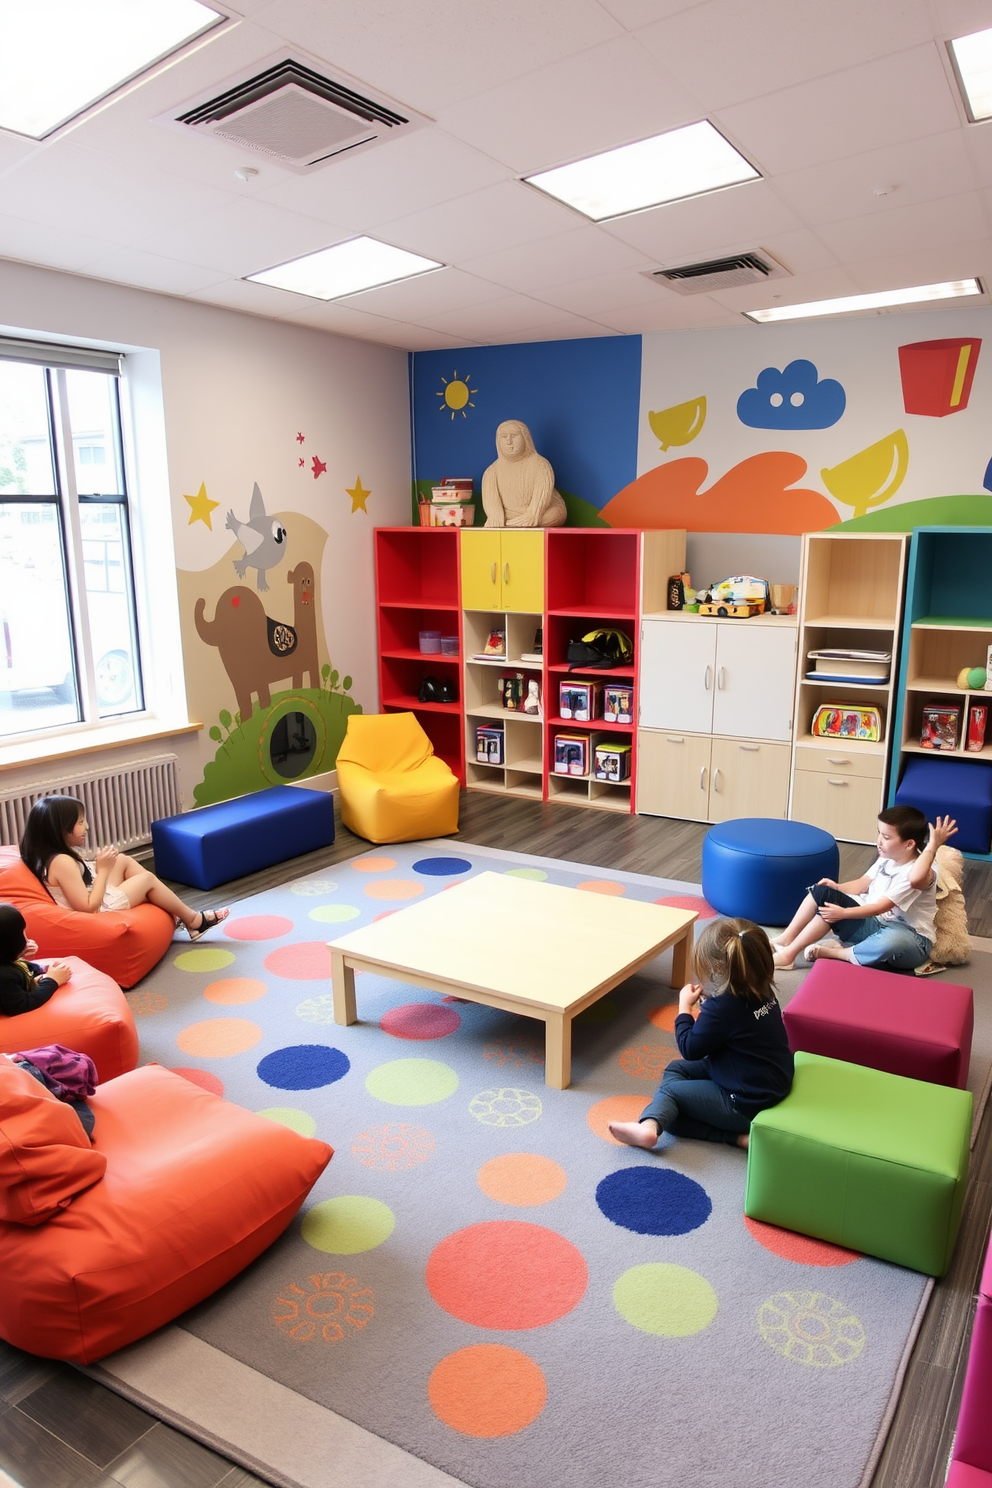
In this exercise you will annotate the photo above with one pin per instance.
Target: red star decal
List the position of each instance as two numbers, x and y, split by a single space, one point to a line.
318 467
299 438
301 462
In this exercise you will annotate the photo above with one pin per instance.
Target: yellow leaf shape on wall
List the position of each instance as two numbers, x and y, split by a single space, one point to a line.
679 424
872 475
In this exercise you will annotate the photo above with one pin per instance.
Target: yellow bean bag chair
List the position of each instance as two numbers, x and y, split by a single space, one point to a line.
392 786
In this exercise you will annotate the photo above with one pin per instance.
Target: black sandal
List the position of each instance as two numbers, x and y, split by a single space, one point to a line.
208 919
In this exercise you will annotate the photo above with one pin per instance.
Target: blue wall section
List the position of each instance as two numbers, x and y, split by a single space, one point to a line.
579 398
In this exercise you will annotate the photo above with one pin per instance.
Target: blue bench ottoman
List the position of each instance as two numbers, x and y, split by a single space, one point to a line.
217 843
950 787
758 868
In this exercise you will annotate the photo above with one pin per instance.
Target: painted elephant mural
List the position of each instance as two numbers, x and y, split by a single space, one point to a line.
258 651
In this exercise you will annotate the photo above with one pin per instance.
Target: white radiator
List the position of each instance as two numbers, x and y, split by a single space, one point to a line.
120 803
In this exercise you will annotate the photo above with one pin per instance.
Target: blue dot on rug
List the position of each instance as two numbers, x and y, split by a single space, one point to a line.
653 1201
441 867
303 1067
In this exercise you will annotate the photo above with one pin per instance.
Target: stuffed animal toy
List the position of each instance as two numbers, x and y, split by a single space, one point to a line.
952 946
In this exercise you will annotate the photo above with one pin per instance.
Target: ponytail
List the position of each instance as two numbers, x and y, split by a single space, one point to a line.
738 955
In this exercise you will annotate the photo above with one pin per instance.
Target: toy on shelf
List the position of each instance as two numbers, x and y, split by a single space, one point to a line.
511 691
972 679
613 762
571 754
941 725
494 649
580 700
783 598
838 721
678 588
735 598
489 741
618 704
978 716
532 700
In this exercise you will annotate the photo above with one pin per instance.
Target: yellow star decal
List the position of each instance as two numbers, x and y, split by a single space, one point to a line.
359 496
200 507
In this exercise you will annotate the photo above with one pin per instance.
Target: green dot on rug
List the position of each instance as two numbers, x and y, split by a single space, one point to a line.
412 1082
668 1301
348 1225
298 1121
538 875
334 914
207 958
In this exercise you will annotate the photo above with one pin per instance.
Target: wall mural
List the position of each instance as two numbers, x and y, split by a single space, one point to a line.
937 375
795 398
289 705
761 490
678 425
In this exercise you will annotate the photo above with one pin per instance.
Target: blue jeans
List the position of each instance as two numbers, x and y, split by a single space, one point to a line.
874 942
688 1103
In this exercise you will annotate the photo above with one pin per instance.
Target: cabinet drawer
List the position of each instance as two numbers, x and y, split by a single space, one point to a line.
840 761
845 805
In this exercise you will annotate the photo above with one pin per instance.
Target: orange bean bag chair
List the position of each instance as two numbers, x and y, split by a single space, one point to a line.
89 1013
124 943
101 1245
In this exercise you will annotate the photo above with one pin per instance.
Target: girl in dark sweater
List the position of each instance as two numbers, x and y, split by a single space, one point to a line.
736 1057
23 985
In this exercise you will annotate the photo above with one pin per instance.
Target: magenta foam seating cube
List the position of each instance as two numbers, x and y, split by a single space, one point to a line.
905 1025
972 1465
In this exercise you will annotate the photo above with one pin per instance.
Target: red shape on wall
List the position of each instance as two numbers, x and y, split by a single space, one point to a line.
937 375
757 495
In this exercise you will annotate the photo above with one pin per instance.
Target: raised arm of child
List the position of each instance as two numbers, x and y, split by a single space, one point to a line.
940 831
63 871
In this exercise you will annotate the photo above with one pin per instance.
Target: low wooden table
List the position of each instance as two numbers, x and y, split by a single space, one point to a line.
511 943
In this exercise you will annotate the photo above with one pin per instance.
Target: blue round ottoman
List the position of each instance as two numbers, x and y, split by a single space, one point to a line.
759 868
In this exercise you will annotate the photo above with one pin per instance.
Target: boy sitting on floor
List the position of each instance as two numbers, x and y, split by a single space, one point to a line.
886 918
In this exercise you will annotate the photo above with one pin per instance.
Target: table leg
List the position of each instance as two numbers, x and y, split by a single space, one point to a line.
343 988
680 958
558 1051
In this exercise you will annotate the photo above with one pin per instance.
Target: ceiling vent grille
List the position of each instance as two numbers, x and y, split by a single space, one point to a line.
296 115
720 273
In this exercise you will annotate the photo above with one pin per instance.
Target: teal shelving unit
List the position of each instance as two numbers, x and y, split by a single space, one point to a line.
947 626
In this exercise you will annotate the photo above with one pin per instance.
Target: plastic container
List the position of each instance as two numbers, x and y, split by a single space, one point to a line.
430 642
449 645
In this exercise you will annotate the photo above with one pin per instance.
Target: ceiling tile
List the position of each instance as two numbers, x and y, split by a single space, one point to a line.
911 265
707 226
860 238
610 95
531 267
151 271
925 170
826 284
601 293
671 313
35 242
902 97
634 13
735 51
427 294
978 143
13 149
799 251
564 328
244 237
499 217
504 319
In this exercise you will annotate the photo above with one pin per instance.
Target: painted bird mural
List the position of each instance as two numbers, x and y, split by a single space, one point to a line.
264 540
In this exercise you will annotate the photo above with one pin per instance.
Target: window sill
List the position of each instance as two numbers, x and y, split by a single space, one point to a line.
95 740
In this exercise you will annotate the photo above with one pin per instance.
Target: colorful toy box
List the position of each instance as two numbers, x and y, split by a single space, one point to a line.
571 754
941 726
618 704
612 762
490 744
580 700
840 721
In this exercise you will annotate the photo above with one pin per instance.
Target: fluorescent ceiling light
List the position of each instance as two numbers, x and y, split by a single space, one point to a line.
59 57
345 269
851 304
972 58
670 167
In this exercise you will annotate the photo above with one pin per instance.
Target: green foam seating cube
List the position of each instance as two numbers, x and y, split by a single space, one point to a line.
865 1159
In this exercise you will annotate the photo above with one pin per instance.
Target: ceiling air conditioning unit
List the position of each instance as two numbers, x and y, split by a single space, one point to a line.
720 273
296 115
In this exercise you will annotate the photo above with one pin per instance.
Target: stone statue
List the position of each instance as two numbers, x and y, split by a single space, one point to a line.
518 489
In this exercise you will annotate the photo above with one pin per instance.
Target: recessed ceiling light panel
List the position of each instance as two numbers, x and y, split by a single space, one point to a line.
345 269
669 167
59 57
972 58
860 304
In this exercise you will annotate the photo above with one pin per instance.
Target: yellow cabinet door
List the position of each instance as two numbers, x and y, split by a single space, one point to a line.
522 571
482 577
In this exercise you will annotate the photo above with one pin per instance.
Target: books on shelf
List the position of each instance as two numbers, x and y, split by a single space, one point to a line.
844 664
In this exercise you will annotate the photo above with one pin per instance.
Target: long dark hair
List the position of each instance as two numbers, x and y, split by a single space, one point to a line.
46 834
13 937
738 955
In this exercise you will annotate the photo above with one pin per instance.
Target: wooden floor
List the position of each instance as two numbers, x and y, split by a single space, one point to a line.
60 1430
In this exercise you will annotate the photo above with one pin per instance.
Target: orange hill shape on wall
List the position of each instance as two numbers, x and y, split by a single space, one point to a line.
758 495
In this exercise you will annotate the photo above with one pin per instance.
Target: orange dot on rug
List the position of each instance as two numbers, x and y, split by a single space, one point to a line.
689 901
302 961
800 1248
394 888
258 927
487 1390
664 1017
204 1078
646 1061
602 886
232 990
506 1273
216 1038
613 1108
374 865
522 1179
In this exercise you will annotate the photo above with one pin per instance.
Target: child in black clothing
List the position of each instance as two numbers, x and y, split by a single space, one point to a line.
737 1059
23 985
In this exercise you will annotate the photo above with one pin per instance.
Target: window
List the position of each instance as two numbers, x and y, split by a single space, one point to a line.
68 637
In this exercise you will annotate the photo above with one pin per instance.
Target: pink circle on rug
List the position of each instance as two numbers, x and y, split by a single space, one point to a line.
689 901
602 886
217 1038
303 961
799 1248
384 916
506 1273
420 1020
234 990
258 927
374 865
203 1078
394 888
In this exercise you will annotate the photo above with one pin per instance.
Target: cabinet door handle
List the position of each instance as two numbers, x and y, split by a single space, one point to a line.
716 778
832 781
492 576
702 778
721 678
832 761
506 573
708 678
749 748
675 739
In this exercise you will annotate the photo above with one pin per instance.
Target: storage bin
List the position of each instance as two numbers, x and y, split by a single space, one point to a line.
430 642
449 645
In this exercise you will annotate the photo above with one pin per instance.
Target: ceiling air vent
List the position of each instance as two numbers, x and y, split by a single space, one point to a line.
720 273
297 116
